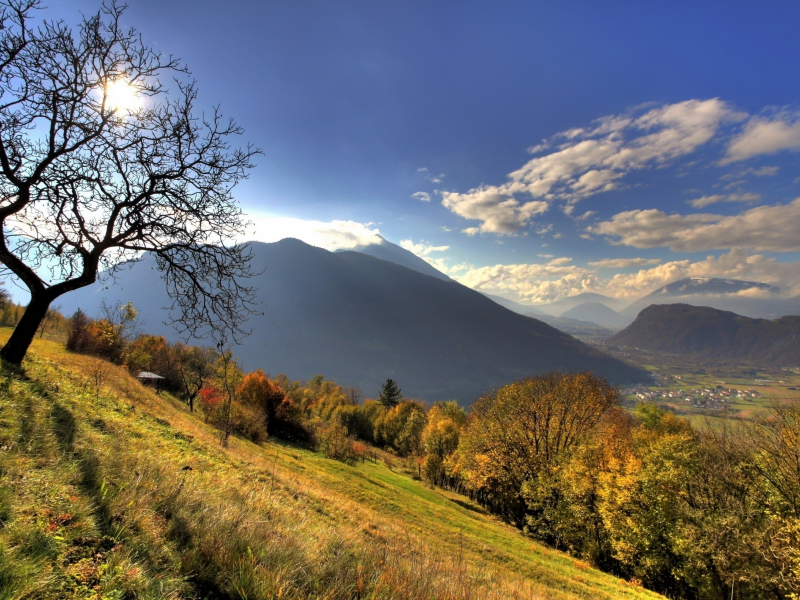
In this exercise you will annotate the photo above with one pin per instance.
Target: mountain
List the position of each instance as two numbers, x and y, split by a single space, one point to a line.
575 327
386 250
712 333
747 298
523 309
360 320
596 312
561 306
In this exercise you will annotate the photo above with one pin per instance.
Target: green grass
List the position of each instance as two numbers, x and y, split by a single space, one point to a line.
125 494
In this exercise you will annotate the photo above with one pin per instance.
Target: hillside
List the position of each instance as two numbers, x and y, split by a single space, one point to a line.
112 491
360 320
701 330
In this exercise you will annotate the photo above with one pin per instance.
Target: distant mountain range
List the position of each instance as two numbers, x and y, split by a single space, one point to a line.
359 320
596 312
576 327
593 315
713 333
748 298
559 307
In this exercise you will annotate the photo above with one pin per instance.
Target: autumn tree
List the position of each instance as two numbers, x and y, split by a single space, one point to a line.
516 432
401 427
390 394
101 163
440 438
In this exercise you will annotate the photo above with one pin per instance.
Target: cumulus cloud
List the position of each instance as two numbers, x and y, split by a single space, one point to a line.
588 161
554 279
423 196
497 212
765 135
704 201
331 235
768 228
622 263
736 264
558 278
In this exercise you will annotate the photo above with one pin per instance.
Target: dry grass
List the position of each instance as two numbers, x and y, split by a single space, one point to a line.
124 494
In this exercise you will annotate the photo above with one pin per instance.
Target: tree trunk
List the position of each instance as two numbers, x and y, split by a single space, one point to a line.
17 345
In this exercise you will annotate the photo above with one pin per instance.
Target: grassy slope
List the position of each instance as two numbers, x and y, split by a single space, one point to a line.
96 501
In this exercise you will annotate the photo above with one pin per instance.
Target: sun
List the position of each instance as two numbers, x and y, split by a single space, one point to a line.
120 95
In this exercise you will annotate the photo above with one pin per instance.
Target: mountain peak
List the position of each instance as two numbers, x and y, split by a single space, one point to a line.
386 250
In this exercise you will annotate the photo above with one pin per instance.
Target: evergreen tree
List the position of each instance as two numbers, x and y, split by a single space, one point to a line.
390 394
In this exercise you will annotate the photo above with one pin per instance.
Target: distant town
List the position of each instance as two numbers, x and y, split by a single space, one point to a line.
717 397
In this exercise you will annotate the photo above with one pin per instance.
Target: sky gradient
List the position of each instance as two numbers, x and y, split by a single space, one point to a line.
532 151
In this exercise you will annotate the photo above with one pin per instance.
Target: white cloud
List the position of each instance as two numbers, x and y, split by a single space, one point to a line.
592 160
763 228
622 263
765 135
736 264
558 278
763 172
422 170
331 235
421 249
704 201
497 212
531 282
423 196
436 178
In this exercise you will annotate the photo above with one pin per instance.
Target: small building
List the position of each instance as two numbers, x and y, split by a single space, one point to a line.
148 378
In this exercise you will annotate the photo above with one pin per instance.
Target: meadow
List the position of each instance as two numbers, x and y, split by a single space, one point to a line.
109 490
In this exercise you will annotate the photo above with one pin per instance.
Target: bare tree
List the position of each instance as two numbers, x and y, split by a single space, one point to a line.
102 162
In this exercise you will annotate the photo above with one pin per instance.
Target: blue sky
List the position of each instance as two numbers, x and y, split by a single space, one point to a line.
535 150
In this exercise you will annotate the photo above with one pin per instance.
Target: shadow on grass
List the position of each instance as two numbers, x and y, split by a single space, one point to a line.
468 506
64 428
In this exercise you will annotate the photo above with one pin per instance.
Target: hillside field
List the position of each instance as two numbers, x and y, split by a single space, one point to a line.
108 490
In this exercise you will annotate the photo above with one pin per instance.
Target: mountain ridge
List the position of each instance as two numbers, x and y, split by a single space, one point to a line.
359 320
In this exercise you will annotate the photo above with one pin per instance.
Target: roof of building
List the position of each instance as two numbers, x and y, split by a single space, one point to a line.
148 375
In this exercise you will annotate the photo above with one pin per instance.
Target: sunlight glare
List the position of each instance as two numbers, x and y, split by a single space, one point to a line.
120 95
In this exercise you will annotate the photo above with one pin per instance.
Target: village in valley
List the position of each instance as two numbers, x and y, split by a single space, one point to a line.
716 398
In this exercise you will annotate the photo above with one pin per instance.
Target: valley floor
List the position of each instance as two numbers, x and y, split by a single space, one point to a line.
108 490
